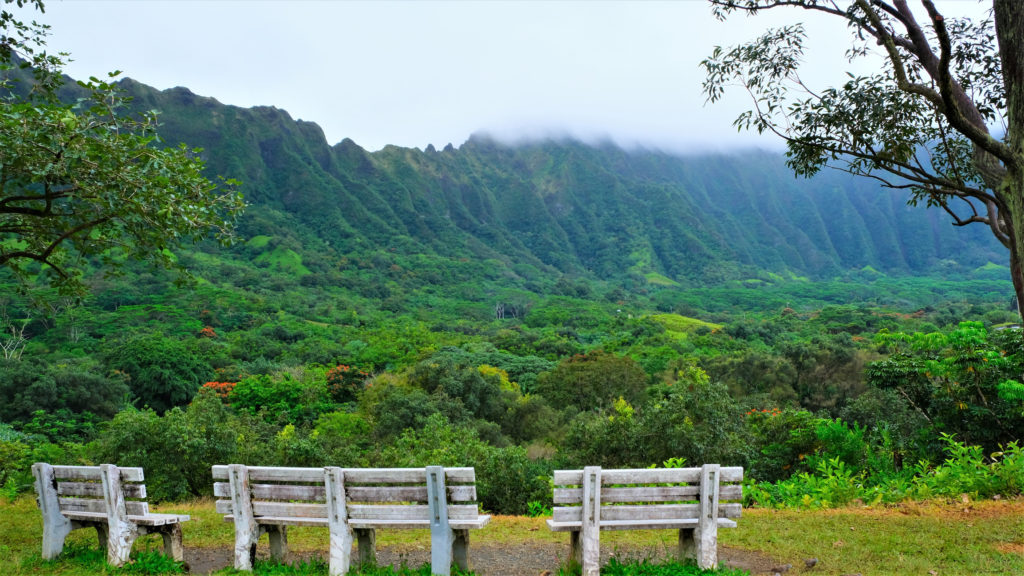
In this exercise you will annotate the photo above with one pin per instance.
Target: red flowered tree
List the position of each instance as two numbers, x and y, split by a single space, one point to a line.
345 382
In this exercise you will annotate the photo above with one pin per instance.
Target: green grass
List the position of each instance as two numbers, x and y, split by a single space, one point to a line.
681 325
949 539
659 280
284 260
258 241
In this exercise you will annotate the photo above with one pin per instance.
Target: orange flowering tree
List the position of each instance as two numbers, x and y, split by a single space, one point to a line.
345 382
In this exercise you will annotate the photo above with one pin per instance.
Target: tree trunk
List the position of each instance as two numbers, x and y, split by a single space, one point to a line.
1009 20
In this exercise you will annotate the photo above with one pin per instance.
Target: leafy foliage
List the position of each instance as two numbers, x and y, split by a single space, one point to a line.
86 179
920 123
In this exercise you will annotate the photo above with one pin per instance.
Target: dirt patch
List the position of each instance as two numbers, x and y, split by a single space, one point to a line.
1010 547
520 559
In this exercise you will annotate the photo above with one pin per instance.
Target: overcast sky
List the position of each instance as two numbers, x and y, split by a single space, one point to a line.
418 73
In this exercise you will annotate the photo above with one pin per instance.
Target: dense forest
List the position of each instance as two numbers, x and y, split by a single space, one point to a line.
524 307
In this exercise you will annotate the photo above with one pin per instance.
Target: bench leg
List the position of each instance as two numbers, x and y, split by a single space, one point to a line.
575 551
54 535
56 526
687 547
173 547
278 541
367 546
245 547
120 537
460 550
441 544
706 535
340 555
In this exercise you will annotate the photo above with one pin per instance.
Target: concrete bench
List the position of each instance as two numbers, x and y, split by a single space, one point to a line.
350 502
690 500
107 498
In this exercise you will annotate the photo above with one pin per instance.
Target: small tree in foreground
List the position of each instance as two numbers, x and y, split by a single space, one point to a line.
921 123
83 179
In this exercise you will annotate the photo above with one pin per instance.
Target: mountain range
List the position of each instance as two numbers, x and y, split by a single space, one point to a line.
563 207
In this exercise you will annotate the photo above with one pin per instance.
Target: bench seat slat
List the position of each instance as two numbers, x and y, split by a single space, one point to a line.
653 512
147 520
355 512
465 524
478 522
408 512
638 525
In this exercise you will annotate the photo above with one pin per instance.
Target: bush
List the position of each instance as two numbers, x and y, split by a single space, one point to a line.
281 399
507 480
73 387
162 372
177 450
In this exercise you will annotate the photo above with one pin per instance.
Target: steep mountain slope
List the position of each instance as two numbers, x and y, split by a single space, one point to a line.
562 206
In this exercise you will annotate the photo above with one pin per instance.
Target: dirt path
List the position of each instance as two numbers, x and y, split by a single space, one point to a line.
527 559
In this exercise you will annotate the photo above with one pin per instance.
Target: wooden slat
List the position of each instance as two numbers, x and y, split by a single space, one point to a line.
653 512
275 491
647 476
289 521
638 525
408 512
275 474
405 493
133 507
222 489
464 475
353 494
95 489
404 475
646 494
93 473
278 509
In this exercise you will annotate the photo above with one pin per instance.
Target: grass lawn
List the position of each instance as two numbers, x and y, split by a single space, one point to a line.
920 539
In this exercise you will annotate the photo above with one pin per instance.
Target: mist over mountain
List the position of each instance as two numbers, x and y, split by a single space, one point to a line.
565 207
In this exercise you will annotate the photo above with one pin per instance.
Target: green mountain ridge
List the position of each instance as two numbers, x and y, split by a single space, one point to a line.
564 207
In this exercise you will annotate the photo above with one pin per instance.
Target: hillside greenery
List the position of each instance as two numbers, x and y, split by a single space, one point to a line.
524 308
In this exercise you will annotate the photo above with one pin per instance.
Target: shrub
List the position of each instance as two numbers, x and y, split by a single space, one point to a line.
282 399
177 449
162 372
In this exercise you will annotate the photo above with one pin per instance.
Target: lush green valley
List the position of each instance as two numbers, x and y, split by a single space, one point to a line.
519 308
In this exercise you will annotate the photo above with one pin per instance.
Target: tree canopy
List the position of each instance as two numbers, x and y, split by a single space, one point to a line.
943 118
82 178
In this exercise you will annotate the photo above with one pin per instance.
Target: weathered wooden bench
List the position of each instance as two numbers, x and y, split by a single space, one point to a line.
688 499
104 497
352 501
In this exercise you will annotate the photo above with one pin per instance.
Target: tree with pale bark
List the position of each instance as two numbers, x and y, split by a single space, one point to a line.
942 117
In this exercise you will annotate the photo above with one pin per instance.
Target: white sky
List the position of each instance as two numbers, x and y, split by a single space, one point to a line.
418 73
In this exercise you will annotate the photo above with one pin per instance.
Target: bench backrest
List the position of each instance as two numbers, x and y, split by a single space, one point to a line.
647 494
272 491
404 493
95 489
399 494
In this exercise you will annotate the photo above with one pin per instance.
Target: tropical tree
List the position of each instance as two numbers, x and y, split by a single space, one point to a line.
942 118
81 178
